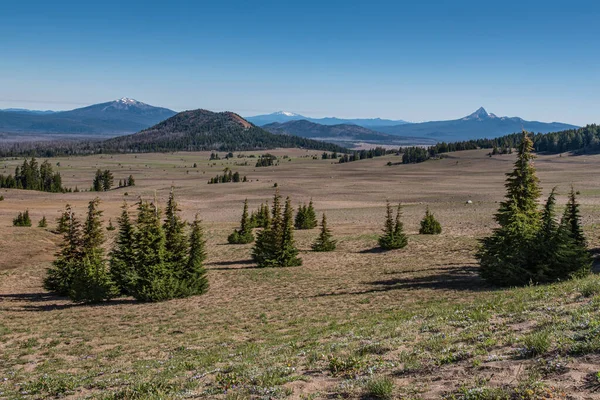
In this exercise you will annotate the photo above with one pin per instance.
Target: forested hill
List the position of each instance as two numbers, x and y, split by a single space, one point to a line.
195 130
205 130
581 140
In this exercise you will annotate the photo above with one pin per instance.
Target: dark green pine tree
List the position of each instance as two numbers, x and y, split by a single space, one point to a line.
122 257
154 279
506 258
393 232
311 216
59 277
176 243
63 221
430 225
91 279
300 220
43 222
266 247
193 280
325 241
288 253
571 220
244 235
522 186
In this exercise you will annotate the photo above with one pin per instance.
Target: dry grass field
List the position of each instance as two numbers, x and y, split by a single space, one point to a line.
416 323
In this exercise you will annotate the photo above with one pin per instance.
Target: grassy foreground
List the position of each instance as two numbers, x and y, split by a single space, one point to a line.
416 323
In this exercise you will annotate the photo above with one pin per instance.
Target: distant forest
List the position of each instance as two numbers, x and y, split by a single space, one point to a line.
582 140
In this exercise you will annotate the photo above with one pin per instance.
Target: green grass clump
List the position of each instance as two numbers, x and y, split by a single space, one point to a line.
536 344
590 288
380 388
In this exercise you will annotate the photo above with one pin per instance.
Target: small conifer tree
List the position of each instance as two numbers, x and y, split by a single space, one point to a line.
122 258
91 279
244 235
324 242
571 220
288 253
63 221
110 226
59 277
192 279
430 225
393 232
43 222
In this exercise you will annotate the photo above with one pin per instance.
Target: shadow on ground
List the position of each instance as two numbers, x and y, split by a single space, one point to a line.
459 278
50 302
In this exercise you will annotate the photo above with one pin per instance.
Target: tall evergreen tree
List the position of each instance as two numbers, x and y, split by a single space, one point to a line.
529 246
91 279
265 249
393 232
175 240
122 257
571 220
522 186
311 216
59 277
288 253
324 242
154 279
192 280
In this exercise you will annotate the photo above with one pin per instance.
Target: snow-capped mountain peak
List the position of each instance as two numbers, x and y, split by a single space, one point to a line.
286 113
127 100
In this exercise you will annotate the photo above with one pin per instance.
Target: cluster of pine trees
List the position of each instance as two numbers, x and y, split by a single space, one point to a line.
228 176
22 219
129 181
274 245
531 246
266 160
31 176
150 260
103 181
393 231
329 156
306 217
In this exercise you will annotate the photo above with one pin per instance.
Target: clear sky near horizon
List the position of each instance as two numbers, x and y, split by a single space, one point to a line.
417 60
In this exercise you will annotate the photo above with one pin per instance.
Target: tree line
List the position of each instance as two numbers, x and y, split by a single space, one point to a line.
581 140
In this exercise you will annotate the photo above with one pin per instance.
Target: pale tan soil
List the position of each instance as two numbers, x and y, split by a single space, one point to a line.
245 304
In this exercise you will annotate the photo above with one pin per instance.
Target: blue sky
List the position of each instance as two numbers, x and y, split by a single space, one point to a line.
425 60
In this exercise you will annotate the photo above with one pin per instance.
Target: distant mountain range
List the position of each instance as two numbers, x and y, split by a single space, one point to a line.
477 125
206 130
285 116
112 118
126 116
346 134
